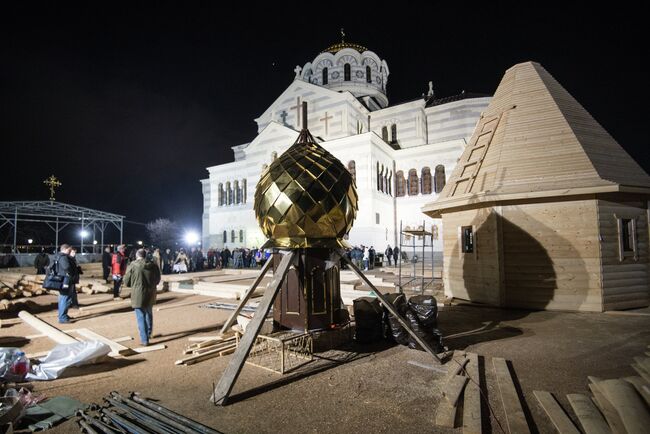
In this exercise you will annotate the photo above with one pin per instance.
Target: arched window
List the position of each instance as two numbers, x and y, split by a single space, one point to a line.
385 180
220 194
400 184
390 183
232 236
225 237
368 75
440 178
426 181
413 183
346 72
384 133
241 235
393 133
228 194
352 168
325 76
382 179
243 189
237 192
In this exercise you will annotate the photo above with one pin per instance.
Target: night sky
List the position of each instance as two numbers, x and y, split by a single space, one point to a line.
128 103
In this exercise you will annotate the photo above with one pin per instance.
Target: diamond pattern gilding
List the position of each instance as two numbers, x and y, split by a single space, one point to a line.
306 198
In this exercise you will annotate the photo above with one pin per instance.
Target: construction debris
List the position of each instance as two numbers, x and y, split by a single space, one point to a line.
216 347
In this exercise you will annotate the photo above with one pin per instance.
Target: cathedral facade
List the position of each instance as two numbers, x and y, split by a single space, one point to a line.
399 155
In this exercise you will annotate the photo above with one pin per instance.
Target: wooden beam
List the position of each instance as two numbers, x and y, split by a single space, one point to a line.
590 418
628 404
116 348
247 295
641 386
558 417
472 423
58 336
150 348
454 389
512 407
606 408
229 377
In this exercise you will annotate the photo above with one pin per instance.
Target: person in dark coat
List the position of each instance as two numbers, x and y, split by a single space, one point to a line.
396 255
68 269
142 277
371 257
225 257
389 254
41 262
106 263
73 260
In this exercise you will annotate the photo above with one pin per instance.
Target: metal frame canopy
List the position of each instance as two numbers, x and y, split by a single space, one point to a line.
58 215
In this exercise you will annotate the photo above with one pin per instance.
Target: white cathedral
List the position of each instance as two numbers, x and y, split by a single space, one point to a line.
399 155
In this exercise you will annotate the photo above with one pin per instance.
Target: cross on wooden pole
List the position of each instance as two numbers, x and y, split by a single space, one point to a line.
52 183
326 120
297 107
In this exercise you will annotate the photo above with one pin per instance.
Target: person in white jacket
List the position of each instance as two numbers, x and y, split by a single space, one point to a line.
366 258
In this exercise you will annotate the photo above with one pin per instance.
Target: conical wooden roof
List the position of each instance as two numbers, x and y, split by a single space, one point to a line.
535 140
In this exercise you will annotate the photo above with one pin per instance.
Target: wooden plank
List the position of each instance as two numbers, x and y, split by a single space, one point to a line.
247 295
512 407
454 389
641 386
116 348
446 413
207 355
472 423
629 405
229 376
174 306
555 412
606 408
58 336
590 418
642 372
150 348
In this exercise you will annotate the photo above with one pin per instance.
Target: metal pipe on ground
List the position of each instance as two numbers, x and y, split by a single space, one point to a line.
180 418
141 408
132 428
152 423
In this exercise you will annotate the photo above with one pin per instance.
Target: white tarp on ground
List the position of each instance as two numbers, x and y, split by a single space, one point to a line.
65 356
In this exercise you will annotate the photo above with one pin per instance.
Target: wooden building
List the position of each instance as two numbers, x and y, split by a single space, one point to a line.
544 209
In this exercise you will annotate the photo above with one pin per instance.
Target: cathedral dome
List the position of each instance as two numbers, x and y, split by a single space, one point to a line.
306 198
350 67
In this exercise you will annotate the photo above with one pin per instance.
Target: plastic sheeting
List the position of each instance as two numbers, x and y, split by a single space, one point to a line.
65 356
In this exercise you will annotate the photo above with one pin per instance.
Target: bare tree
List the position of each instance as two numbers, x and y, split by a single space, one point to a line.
163 233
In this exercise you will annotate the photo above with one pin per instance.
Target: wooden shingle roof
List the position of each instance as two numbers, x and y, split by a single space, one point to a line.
535 140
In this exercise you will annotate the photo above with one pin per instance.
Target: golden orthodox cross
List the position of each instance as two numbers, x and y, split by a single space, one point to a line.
52 183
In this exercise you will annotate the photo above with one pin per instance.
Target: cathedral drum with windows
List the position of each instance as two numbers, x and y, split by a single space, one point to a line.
399 155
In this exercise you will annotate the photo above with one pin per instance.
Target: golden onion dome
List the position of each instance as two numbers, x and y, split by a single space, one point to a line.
306 198
341 45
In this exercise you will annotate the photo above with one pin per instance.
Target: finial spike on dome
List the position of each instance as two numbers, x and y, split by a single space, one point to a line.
304 115
342 35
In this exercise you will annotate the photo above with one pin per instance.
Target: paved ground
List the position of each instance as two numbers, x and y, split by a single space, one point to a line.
378 388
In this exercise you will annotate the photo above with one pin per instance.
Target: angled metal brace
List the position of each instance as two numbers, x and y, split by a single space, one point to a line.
227 381
390 308
246 297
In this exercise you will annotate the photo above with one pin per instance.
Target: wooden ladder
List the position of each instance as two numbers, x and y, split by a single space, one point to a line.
478 146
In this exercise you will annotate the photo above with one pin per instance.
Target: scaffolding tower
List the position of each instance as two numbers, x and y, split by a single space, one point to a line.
417 240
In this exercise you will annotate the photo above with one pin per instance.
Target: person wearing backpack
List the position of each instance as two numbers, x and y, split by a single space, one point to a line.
67 268
118 267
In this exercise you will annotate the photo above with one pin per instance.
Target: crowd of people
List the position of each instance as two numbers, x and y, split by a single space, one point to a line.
141 271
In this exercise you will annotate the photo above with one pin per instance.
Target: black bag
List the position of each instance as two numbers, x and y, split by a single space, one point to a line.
53 280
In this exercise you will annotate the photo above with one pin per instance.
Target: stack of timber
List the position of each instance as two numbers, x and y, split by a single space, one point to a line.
620 405
212 346
14 285
461 401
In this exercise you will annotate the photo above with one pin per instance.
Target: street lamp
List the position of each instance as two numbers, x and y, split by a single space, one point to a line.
29 241
139 243
192 238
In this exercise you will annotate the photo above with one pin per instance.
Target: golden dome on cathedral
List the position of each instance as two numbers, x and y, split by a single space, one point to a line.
306 198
